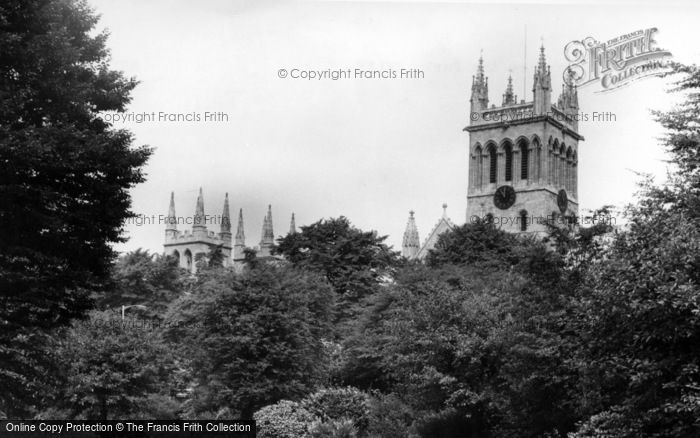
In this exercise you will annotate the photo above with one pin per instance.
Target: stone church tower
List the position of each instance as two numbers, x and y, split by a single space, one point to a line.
523 157
186 246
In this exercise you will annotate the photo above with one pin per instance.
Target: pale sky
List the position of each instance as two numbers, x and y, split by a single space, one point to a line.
368 149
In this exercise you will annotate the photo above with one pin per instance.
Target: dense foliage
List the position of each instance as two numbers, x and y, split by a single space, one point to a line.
64 179
254 338
352 260
112 369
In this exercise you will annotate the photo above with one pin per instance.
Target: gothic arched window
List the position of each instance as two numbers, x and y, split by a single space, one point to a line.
509 161
569 173
574 174
523 220
479 170
561 180
188 260
553 162
538 160
493 164
524 160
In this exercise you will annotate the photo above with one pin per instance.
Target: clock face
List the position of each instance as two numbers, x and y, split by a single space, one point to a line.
562 200
504 197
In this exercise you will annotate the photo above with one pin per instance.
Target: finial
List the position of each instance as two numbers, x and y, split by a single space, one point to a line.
509 96
199 217
480 68
172 220
292 225
444 210
411 241
226 217
240 232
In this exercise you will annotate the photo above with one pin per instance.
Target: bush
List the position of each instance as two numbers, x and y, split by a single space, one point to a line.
285 419
344 428
389 417
340 404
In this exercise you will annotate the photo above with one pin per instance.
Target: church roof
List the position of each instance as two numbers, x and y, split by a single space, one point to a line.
443 224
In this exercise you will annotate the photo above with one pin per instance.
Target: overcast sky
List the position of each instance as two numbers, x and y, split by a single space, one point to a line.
369 149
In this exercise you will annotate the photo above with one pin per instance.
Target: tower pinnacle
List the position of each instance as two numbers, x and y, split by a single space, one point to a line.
292 226
480 89
200 220
480 68
226 220
411 241
239 244
541 86
542 63
509 97
268 236
568 100
171 224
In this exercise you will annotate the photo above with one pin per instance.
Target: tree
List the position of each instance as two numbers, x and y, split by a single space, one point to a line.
482 245
353 261
254 338
476 243
215 259
639 312
139 277
112 369
437 343
474 350
64 177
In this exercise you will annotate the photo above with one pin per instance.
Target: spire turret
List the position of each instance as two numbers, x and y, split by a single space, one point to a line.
480 89
480 70
541 86
171 221
509 98
411 242
239 244
542 62
199 226
292 226
226 222
268 236
568 100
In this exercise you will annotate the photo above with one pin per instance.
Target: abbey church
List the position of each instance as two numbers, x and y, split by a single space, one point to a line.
187 245
522 174
523 160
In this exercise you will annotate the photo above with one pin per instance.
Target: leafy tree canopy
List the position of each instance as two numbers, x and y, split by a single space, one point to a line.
352 260
64 176
254 338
